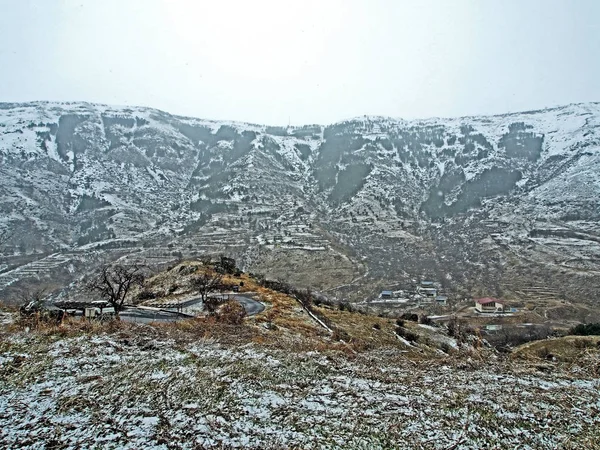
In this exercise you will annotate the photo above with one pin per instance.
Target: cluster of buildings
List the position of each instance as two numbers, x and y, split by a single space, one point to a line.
425 293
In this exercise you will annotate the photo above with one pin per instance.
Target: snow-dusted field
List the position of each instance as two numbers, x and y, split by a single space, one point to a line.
116 391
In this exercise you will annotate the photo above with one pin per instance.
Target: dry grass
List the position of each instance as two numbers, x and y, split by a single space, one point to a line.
370 330
111 392
281 375
284 324
5 307
283 311
71 327
568 348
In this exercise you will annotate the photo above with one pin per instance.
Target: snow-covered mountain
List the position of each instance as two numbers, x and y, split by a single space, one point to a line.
496 203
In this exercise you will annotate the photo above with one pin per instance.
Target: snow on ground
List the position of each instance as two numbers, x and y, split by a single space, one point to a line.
6 318
110 391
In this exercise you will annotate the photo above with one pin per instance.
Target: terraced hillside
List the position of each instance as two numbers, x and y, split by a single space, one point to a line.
496 204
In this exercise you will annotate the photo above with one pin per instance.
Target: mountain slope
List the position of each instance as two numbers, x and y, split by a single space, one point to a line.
495 203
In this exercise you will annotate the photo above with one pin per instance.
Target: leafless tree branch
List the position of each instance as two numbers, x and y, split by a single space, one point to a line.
207 283
32 300
113 283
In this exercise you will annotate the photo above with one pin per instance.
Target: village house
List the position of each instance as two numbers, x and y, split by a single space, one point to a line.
427 289
428 292
489 305
386 294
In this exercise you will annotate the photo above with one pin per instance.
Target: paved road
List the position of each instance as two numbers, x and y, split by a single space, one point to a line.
148 316
139 315
251 306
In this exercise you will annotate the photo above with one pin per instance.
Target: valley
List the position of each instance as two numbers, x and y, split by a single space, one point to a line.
506 206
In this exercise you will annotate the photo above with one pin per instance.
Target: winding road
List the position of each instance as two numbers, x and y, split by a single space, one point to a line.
148 315
251 306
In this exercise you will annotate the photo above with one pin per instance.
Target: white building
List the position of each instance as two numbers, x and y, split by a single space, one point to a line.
489 305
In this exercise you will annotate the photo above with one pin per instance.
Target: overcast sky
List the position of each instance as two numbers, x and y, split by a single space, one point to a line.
303 61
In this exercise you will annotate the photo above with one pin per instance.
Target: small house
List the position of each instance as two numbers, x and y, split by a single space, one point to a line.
441 300
386 294
428 292
489 305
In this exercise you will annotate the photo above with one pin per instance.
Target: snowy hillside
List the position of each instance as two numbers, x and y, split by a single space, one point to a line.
499 201
138 389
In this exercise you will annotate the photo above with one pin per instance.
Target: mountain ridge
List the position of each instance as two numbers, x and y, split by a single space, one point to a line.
393 198
7 105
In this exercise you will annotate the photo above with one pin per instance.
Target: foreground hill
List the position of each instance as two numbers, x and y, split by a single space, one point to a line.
298 375
145 387
496 205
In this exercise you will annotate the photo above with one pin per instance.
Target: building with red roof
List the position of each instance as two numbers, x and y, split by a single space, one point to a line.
489 305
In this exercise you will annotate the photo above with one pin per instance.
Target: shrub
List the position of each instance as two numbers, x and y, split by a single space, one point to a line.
340 335
304 296
211 304
445 347
231 312
146 294
187 270
425 320
42 317
410 316
344 306
274 285
586 329
226 266
544 353
512 336
270 317
406 334
452 326
206 260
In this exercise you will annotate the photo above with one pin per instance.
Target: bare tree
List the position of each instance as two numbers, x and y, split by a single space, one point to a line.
212 304
113 283
226 265
206 283
32 301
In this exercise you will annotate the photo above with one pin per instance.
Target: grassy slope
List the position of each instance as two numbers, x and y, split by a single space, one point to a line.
566 349
280 380
186 386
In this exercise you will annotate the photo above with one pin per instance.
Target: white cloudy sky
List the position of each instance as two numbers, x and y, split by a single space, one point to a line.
274 61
